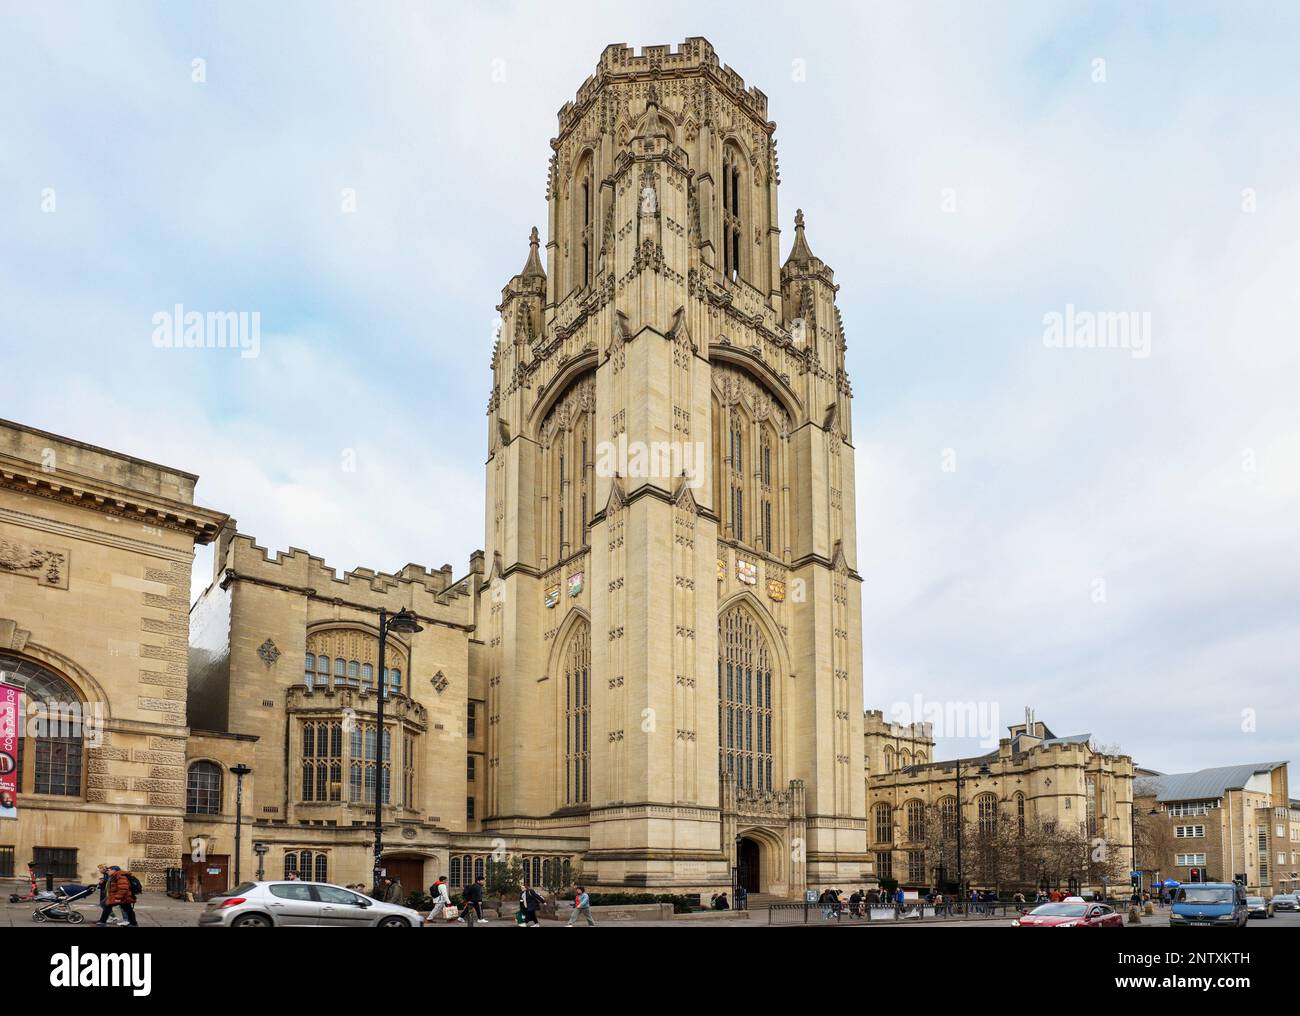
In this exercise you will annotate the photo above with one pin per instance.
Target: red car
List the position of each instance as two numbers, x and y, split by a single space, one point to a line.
1071 915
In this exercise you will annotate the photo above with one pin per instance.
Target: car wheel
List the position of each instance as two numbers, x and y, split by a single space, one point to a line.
252 921
76 917
394 922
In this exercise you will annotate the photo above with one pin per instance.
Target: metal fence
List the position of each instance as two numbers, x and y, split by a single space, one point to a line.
958 910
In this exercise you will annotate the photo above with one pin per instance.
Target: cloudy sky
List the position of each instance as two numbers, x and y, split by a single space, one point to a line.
1110 538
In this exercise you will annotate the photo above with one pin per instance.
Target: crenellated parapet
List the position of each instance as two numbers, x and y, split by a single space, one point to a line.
431 593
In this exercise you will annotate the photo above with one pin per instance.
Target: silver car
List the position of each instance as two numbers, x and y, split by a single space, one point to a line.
303 904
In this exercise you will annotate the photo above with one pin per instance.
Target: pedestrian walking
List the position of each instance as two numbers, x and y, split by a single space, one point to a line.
581 906
441 899
120 889
105 911
474 902
530 902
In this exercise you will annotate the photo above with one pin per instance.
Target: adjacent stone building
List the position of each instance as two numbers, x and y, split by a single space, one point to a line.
1036 788
96 549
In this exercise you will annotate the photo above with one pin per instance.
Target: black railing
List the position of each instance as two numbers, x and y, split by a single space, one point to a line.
959 910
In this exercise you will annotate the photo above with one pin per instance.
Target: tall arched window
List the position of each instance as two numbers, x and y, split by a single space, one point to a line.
203 789
1020 814
884 823
749 472
566 467
582 246
888 766
50 761
734 202
948 817
987 809
745 709
915 822
577 715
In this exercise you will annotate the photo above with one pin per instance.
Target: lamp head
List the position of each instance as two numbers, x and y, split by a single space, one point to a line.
404 621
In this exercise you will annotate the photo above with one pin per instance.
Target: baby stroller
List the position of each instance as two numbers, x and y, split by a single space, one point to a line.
59 907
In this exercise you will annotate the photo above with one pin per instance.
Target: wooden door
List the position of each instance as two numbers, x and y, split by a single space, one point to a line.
208 878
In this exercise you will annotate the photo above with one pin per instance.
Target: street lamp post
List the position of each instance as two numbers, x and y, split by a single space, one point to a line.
403 621
240 772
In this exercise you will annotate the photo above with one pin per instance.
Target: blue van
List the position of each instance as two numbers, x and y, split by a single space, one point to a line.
1209 905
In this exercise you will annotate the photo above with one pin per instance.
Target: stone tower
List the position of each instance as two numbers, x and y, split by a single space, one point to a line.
670 643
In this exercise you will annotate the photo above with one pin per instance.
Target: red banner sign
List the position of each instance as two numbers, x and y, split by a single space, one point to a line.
8 751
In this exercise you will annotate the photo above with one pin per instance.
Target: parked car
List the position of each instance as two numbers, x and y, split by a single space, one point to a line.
1257 906
1286 901
303 904
1071 915
1209 905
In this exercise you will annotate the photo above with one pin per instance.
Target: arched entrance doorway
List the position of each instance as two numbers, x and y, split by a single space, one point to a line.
747 861
409 868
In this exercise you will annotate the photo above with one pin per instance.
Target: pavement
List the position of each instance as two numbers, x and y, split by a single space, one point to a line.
156 911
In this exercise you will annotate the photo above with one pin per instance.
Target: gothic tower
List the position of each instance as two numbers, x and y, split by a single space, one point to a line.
670 643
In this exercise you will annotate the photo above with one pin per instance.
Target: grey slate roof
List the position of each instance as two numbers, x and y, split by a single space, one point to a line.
1203 785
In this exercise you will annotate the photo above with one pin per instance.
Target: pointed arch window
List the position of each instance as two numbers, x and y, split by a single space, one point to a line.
583 252
577 715
745 708
948 818
733 163
987 809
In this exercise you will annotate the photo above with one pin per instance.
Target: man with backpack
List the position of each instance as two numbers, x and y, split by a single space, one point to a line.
121 890
441 899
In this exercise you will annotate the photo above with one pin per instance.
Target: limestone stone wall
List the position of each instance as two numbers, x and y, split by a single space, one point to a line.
95 556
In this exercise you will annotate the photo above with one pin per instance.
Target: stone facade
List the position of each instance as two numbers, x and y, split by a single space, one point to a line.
1034 785
96 550
670 505
652 674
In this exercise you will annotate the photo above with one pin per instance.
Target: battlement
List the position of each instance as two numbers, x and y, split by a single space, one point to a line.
694 55
413 585
874 723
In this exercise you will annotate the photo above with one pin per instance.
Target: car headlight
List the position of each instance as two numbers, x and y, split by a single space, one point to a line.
1015 924
1225 917
1175 917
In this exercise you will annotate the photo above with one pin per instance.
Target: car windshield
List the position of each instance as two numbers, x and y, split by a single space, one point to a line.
1288 898
1060 910
1205 896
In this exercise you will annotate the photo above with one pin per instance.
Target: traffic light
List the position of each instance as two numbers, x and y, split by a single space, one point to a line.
1194 875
